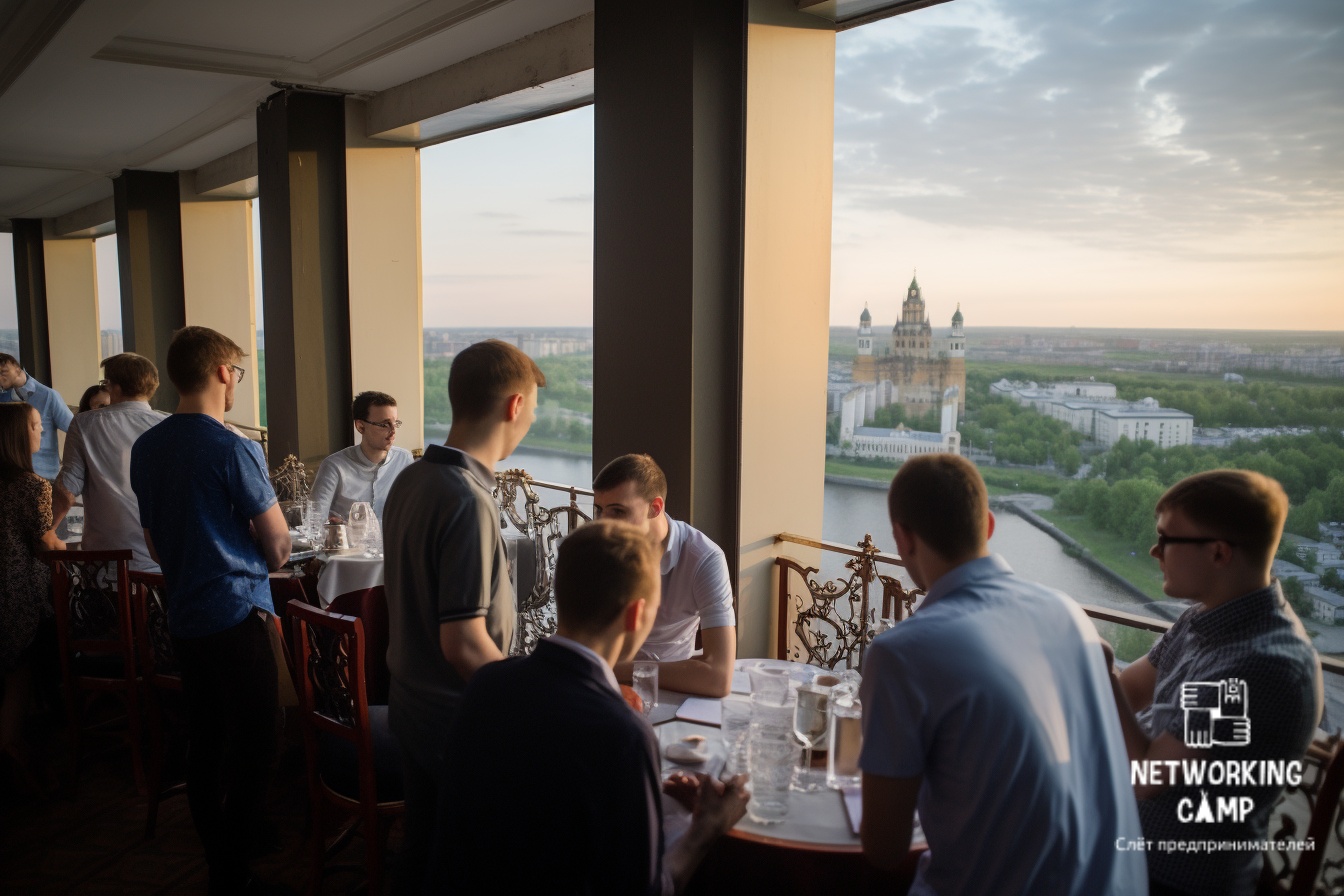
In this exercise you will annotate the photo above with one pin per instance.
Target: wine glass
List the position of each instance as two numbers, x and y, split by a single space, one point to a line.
360 514
809 726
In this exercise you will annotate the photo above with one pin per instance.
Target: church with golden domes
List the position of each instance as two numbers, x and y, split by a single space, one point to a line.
920 365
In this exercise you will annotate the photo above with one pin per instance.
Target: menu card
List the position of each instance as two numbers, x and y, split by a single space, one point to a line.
703 710
853 797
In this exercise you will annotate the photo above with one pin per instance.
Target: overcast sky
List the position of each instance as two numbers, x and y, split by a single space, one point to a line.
1047 162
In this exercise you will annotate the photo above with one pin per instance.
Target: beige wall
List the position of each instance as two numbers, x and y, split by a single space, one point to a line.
386 320
787 269
218 273
72 315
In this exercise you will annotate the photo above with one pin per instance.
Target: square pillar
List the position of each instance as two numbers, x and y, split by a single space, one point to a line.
72 315
382 200
217 273
667 250
30 293
149 256
305 273
712 269
786 298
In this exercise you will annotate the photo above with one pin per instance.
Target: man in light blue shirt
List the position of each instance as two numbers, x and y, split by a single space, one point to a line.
363 472
990 709
17 385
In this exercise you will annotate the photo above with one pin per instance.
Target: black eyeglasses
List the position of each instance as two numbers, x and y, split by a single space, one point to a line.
1164 540
388 425
239 371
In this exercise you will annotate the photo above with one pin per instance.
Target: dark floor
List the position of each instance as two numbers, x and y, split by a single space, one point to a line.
90 838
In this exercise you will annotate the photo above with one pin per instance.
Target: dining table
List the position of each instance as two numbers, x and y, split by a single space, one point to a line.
815 849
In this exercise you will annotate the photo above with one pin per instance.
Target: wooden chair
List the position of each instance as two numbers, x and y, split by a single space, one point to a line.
369 606
342 747
162 679
91 591
1300 879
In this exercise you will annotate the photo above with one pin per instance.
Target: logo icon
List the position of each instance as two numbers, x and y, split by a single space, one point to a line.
1215 713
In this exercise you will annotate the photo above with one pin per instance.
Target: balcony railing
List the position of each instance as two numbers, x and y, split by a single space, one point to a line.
538 524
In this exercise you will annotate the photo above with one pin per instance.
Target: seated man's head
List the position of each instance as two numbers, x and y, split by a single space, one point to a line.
940 515
130 377
493 383
632 489
375 415
202 360
607 584
1218 527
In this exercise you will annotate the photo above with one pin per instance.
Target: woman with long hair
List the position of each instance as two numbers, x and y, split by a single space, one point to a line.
95 397
25 581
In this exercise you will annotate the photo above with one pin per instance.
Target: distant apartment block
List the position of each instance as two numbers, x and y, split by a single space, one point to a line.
111 343
447 343
1093 409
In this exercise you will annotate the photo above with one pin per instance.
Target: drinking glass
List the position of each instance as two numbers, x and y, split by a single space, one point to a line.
74 523
771 762
645 683
373 538
809 726
845 740
360 514
313 523
735 723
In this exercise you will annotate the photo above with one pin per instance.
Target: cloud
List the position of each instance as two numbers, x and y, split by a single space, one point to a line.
503 216
545 232
578 197
1116 124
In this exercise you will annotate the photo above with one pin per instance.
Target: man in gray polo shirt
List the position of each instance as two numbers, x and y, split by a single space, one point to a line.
97 462
450 605
363 472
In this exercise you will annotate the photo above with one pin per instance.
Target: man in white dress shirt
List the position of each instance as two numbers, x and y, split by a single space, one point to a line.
97 461
363 472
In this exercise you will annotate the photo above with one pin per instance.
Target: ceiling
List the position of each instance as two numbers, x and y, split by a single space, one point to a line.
88 88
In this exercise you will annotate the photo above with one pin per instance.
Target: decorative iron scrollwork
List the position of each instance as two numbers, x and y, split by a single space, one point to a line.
1290 818
834 621
160 642
543 528
290 480
93 600
329 655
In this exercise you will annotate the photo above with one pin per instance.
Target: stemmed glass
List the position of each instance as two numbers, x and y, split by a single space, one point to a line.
360 514
809 726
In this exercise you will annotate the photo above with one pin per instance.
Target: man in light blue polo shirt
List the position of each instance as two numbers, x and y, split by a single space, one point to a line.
990 709
17 385
697 592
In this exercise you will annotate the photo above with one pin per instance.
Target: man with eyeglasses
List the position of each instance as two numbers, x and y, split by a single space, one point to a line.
363 472
1235 681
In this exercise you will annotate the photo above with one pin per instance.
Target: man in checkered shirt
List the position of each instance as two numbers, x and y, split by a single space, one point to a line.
1235 679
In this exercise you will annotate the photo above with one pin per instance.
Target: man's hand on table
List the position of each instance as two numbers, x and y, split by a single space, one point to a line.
716 805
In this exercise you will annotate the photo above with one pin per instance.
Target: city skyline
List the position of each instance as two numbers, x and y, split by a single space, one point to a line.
1043 164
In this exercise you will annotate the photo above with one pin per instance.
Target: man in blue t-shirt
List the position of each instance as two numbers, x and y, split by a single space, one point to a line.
212 522
990 709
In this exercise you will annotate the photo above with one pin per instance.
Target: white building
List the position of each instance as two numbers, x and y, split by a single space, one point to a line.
1093 409
1326 606
1282 569
899 443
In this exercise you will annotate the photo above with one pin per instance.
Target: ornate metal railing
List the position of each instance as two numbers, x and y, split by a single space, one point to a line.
830 623
539 527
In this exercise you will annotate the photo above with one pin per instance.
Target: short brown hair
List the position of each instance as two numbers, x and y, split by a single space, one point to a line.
366 401
15 458
1245 508
485 373
603 566
942 499
640 469
7 358
134 374
194 354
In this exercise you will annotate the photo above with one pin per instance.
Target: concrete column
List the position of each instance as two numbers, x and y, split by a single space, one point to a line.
668 248
305 272
217 273
30 292
149 255
786 298
712 269
386 299
72 315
